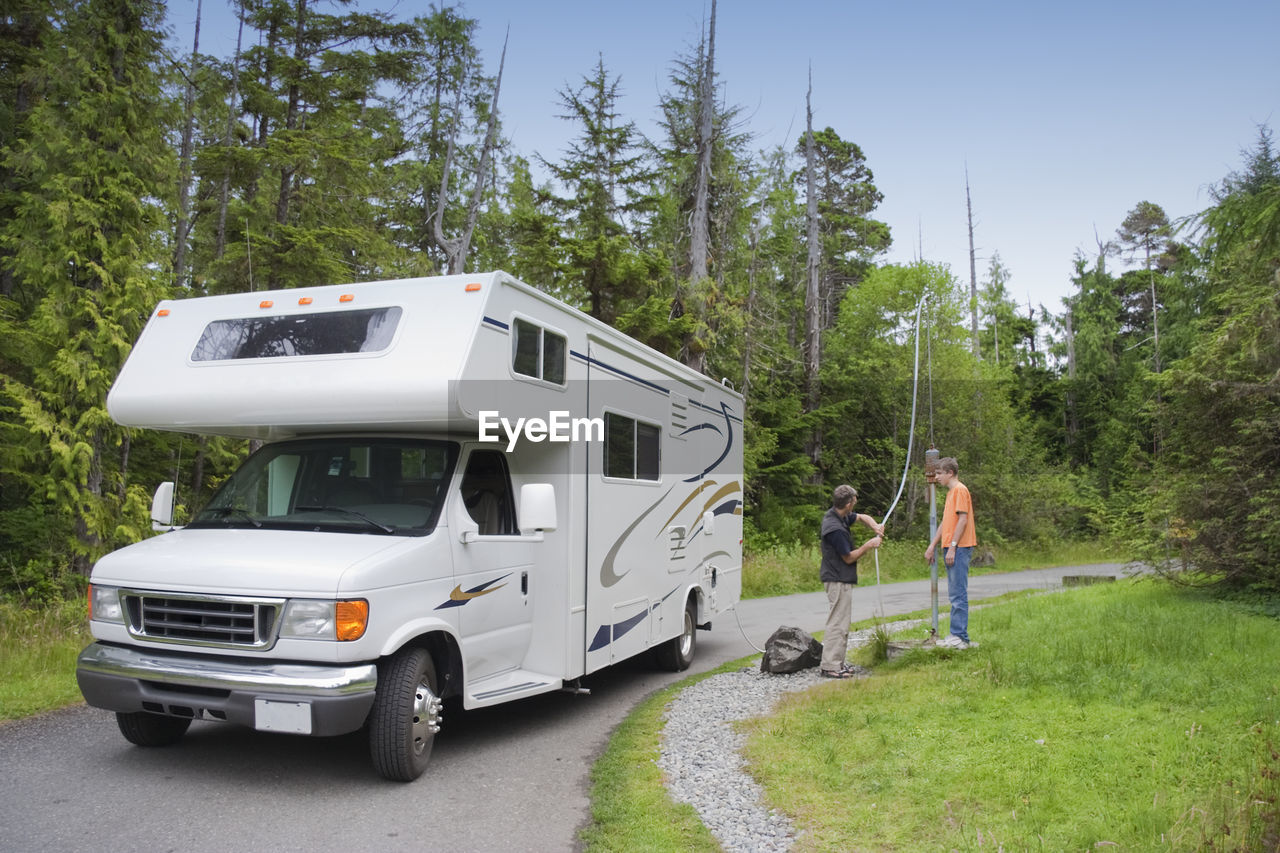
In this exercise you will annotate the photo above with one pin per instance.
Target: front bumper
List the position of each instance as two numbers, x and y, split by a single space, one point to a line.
316 699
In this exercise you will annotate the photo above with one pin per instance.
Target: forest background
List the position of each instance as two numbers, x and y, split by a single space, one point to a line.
339 145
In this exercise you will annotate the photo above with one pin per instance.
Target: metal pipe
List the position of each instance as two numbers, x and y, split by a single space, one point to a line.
931 459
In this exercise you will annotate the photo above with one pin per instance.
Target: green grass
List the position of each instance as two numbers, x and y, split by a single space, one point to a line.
1129 714
788 569
630 809
38 649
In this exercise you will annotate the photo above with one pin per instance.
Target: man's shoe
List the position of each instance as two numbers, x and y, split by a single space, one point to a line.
836 673
951 642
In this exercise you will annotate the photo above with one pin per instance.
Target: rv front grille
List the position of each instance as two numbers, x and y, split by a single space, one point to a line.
220 621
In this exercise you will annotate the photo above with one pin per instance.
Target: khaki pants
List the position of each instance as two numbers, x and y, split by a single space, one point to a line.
835 640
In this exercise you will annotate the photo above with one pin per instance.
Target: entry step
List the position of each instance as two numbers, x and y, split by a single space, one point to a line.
513 684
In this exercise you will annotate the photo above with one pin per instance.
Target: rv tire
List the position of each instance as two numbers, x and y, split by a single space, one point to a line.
676 654
145 729
405 715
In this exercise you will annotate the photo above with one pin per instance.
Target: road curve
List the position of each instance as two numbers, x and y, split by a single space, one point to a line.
512 777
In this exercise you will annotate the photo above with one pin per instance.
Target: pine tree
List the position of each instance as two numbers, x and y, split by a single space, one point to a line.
603 174
85 229
1215 510
309 161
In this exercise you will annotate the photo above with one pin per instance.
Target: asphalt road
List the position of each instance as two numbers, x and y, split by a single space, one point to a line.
512 777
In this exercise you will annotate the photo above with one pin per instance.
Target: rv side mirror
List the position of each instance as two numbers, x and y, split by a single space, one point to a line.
537 507
709 523
162 507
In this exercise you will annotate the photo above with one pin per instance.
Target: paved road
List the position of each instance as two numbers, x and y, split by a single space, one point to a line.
512 777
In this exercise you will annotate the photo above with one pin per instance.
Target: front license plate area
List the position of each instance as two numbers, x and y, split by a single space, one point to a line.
290 717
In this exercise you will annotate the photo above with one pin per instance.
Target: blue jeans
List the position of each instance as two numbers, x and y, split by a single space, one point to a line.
958 592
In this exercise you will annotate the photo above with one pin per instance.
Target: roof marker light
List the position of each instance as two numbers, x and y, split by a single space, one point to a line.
347 297
473 287
163 312
266 303
304 300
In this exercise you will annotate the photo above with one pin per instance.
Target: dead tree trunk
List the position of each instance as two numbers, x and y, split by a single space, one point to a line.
288 170
973 274
224 190
700 227
812 294
456 248
183 225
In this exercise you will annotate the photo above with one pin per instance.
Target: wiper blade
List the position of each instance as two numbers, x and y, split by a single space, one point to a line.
225 512
342 509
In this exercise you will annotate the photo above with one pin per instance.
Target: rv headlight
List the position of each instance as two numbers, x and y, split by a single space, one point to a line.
325 620
104 604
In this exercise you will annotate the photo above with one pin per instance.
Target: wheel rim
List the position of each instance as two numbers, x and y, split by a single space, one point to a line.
426 717
686 639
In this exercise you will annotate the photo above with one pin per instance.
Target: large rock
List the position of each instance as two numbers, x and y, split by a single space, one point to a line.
790 650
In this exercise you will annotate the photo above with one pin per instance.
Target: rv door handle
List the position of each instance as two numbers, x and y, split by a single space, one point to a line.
524 583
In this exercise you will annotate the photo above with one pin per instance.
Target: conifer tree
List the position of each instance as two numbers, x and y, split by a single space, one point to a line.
603 175
82 242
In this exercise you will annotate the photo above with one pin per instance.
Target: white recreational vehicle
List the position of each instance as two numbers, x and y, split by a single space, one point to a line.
466 488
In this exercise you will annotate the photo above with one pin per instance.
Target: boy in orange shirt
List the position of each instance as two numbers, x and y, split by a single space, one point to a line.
960 533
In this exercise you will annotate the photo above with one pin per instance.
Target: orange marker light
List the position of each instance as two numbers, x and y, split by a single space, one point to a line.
347 297
351 618
266 303
473 287
163 312
304 300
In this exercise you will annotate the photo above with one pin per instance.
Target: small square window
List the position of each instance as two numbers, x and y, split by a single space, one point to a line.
538 353
632 449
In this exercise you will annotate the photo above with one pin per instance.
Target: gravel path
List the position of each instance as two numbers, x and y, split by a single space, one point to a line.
700 753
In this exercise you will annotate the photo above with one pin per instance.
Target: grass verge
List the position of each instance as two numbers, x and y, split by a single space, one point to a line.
38 649
1129 714
630 809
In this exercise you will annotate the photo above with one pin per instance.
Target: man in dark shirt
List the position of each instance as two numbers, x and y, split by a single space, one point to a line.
840 573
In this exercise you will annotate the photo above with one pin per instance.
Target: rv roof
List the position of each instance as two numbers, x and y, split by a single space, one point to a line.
379 355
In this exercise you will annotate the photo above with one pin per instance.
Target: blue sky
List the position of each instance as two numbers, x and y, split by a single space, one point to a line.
1066 115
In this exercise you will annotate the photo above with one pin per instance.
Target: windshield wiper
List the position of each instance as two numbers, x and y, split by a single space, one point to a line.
360 515
225 512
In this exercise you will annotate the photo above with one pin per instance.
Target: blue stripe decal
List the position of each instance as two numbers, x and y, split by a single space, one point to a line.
618 630
601 640
586 359
726 508
598 363
605 632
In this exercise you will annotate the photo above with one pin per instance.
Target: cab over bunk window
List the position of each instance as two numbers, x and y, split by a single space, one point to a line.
293 335
538 353
631 448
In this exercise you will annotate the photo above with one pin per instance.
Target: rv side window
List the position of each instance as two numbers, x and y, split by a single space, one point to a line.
631 448
537 352
486 493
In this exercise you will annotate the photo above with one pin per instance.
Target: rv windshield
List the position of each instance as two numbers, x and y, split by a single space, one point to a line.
383 486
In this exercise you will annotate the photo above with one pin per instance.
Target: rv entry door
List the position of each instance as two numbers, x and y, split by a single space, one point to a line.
493 567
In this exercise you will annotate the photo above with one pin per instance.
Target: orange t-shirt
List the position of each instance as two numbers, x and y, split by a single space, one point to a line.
958 501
